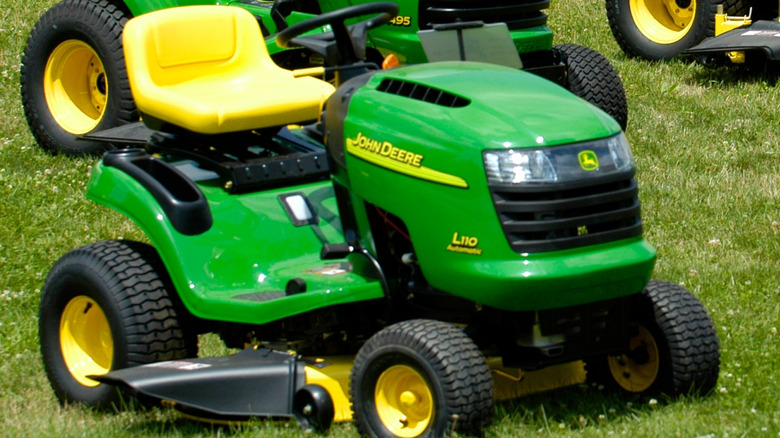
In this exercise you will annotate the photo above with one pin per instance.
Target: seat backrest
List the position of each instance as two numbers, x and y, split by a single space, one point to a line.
163 48
206 69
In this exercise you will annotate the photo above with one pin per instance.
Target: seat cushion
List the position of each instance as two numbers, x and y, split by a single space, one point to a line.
207 69
213 106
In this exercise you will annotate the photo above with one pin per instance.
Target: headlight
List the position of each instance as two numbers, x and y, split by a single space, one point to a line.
559 163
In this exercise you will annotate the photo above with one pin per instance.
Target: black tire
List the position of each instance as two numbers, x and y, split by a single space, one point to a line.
590 76
70 42
107 305
426 373
676 351
656 36
313 408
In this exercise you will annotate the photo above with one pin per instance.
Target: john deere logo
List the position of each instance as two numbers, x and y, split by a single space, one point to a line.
589 161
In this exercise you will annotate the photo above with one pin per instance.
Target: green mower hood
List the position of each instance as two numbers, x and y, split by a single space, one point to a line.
413 145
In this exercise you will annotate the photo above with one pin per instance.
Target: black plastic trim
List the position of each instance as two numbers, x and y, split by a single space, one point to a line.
518 14
254 383
422 92
551 217
181 200
280 170
241 171
336 111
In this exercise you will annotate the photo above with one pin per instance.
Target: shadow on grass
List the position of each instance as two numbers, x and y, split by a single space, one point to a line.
714 70
169 422
571 409
577 407
725 73
574 408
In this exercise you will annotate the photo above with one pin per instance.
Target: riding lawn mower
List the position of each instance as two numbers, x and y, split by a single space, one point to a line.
720 32
399 247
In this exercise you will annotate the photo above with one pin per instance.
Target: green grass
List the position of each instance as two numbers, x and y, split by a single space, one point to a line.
707 151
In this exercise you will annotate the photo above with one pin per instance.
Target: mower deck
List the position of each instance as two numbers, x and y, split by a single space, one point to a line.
761 37
263 383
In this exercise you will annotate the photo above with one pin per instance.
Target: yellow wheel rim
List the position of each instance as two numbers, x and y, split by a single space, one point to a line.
404 401
638 374
85 340
75 87
662 21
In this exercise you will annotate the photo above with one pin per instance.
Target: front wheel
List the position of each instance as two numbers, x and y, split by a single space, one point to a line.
313 408
73 75
104 307
420 378
592 77
662 29
674 351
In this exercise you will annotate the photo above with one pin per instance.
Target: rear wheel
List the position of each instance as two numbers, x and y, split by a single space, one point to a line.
590 76
420 378
73 76
674 351
661 29
104 307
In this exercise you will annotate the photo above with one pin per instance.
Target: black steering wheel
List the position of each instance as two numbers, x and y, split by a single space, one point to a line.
345 44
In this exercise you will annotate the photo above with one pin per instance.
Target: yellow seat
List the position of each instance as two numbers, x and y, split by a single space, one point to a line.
207 69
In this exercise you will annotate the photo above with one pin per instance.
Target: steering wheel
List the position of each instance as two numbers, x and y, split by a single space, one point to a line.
345 44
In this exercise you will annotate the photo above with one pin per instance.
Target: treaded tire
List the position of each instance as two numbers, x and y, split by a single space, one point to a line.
687 343
436 353
141 322
590 76
738 7
634 43
94 25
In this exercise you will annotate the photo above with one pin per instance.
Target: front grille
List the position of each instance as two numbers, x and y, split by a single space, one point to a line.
554 217
422 92
517 14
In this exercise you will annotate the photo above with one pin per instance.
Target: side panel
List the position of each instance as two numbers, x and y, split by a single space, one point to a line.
238 270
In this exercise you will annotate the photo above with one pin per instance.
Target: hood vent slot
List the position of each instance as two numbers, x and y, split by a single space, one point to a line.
422 92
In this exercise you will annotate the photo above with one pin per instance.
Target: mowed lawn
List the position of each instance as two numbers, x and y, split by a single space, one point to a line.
707 148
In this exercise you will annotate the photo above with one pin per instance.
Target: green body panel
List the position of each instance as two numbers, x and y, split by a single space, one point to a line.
508 109
237 270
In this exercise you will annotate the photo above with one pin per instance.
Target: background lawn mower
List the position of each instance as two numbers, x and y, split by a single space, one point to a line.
713 31
74 80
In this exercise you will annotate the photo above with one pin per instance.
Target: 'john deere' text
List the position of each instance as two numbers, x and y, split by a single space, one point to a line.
386 149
